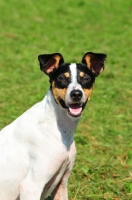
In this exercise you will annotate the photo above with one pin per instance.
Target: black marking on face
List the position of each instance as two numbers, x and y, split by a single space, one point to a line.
84 76
59 84
61 77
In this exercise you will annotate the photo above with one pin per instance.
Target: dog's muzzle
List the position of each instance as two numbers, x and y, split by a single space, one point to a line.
76 95
75 105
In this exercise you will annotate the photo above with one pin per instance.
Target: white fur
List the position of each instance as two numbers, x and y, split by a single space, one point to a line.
37 153
74 85
73 71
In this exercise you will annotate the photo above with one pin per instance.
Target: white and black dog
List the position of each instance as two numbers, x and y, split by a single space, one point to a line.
37 150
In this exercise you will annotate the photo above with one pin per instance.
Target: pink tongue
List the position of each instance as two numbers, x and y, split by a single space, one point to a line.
75 110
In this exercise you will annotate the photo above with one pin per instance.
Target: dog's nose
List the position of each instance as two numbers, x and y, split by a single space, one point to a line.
76 95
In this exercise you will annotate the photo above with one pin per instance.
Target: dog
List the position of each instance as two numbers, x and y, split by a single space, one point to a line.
37 150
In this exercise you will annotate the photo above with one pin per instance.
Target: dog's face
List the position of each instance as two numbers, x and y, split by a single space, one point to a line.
72 86
72 83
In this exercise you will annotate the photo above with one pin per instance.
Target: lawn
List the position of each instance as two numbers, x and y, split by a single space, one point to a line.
103 167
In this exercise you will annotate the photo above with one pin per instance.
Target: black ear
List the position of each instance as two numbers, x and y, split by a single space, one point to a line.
50 62
95 62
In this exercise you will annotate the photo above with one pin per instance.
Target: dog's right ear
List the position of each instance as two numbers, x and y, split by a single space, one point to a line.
50 62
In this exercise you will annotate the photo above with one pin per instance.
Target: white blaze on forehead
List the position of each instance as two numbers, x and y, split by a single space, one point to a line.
74 85
73 72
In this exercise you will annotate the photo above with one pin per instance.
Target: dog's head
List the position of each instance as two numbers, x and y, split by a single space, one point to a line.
72 83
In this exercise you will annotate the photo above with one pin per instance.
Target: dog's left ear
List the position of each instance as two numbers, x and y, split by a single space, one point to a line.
95 62
50 62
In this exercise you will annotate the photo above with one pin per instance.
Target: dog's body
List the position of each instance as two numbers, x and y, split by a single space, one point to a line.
37 150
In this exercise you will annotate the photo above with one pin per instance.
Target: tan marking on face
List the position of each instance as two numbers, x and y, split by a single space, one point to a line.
88 93
67 75
58 93
82 74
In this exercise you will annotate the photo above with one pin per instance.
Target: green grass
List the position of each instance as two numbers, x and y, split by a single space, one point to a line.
103 167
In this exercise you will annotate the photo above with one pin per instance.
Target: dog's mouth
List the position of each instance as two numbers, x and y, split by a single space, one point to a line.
74 109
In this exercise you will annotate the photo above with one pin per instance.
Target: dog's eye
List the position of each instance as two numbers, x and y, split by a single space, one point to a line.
61 78
86 78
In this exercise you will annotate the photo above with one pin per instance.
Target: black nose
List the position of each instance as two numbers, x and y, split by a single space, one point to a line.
76 95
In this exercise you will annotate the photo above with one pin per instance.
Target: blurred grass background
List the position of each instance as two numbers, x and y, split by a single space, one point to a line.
103 167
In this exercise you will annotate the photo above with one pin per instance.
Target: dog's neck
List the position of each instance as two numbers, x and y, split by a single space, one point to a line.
58 117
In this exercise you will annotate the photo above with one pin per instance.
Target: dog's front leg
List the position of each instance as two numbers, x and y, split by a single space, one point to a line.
31 187
30 190
60 192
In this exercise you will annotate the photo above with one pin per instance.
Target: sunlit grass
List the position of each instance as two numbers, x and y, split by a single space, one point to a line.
103 167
